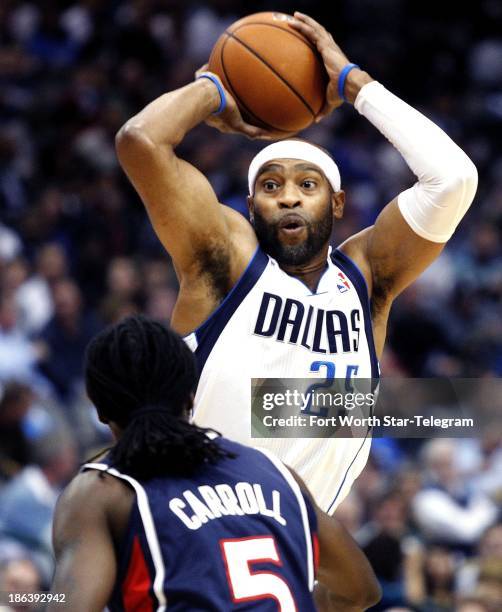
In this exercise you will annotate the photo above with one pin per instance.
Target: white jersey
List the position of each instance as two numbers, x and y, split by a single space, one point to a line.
271 325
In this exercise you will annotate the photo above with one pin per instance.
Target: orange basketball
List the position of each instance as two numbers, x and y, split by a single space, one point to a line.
274 73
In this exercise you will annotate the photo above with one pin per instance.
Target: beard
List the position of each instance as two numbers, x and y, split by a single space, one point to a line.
318 234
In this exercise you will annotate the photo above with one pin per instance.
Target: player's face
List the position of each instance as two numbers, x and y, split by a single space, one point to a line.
292 210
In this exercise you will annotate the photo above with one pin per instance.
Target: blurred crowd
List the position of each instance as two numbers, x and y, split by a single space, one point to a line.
77 252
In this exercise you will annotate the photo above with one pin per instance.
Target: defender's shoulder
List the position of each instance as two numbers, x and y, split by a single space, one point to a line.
100 487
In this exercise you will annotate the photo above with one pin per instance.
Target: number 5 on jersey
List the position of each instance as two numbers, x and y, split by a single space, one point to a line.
239 555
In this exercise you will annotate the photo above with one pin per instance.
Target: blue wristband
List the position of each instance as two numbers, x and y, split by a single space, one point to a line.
223 97
342 78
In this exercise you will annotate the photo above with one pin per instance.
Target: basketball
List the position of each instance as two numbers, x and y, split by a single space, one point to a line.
274 73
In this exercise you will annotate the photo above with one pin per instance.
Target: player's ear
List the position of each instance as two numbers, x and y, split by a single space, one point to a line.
338 203
250 201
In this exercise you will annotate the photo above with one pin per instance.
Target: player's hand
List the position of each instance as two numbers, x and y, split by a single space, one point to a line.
334 58
230 121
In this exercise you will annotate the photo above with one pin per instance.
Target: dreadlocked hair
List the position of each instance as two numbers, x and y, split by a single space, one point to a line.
142 376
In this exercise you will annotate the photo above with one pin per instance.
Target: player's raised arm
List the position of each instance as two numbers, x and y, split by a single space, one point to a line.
182 206
411 230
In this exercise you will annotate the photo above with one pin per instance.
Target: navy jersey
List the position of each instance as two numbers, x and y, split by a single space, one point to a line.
239 535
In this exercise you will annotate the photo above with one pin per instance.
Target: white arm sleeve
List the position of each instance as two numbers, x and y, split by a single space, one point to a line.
447 178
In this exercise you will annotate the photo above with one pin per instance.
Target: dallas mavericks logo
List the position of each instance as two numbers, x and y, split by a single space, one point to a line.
343 283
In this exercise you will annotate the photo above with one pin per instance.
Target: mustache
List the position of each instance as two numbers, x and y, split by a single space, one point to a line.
291 219
318 233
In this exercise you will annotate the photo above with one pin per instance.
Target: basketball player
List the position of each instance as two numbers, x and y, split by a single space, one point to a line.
271 298
175 519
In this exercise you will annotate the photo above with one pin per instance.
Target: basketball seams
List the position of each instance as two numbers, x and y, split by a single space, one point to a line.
273 25
236 96
230 87
273 70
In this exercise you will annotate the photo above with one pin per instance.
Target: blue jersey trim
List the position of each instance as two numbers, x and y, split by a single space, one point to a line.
351 269
312 517
354 273
347 471
208 333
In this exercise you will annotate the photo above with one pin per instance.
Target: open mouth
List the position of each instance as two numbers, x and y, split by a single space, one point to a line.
292 223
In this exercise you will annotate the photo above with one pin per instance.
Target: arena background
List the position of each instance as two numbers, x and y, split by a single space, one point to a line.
77 252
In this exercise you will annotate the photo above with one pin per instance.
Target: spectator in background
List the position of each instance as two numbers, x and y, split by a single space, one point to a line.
160 304
385 540
46 221
123 280
482 458
15 400
408 482
158 274
370 486
480 265
489 553
445 510
124 290
65 337
18 355
29 499
489 587
10 244
430 580
414 326
34 297
19 575
13 275
350 513
161 288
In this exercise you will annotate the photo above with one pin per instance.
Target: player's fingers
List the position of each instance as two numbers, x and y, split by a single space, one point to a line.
306 30
273 134
237 124
310 22
251 131
263 134
201 70
328 108
324 112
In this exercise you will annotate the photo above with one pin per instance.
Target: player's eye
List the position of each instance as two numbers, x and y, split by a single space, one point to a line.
269 185
309 184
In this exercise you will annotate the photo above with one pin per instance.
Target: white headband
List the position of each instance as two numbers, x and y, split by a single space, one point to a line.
295 149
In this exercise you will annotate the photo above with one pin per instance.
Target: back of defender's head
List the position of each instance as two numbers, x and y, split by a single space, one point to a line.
136 364
141 376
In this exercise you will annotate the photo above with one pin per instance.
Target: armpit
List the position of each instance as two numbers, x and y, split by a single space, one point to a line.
214 265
